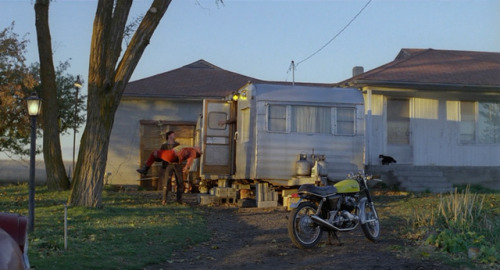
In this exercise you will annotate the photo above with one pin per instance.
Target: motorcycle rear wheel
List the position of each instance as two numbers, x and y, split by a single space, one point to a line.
302 230
371 229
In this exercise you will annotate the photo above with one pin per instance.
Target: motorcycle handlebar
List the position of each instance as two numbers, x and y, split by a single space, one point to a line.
361 174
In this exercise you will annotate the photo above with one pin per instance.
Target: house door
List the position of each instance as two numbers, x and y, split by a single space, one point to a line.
399 143
217 138
152 136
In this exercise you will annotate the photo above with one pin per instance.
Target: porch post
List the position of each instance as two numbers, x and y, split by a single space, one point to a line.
368 126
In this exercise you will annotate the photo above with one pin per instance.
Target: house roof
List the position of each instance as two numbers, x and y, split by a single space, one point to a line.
197 80
435 69
200 79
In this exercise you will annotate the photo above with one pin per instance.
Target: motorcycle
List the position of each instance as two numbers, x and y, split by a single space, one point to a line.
337 208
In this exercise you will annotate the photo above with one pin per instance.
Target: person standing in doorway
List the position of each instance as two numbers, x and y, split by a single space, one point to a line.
167 168
171 168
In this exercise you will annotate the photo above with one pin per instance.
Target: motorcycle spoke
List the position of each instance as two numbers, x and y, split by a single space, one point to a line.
303 231
307 230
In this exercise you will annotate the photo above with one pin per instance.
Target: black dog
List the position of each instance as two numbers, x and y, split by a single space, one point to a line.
386 160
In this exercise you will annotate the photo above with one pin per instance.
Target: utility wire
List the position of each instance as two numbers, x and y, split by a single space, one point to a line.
333 38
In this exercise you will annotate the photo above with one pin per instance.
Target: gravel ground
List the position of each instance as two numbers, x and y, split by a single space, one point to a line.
257 238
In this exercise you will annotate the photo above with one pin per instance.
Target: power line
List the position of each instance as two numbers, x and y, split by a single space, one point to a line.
334 37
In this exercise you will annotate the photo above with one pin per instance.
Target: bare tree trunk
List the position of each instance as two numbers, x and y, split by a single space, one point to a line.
106 84
92 157
54 166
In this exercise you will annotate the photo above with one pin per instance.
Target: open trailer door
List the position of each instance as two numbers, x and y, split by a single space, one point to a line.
217 138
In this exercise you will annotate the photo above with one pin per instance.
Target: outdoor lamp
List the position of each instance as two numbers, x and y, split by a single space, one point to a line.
243 94
236 96
34 104
78 85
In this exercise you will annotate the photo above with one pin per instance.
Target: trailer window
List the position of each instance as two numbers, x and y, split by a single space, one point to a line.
217 120
345 121
310 119
277 118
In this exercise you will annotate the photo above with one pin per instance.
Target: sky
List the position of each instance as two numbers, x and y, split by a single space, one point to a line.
260 38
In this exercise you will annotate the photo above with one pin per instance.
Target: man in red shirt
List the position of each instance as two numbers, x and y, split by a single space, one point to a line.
175 155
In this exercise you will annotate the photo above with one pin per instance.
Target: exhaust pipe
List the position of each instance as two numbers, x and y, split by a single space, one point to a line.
324 223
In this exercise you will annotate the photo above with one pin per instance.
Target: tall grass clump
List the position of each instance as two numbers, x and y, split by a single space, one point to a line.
460 224
461 211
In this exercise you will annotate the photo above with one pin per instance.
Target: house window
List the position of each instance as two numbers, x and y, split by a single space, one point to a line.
345 121
467 122
489 122
311 119
479 122
398 121
277 118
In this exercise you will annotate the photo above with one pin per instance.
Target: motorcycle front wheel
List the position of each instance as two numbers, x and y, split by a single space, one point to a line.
371 229
302 230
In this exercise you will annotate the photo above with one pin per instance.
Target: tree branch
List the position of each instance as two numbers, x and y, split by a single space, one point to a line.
117 29
100 33
138 43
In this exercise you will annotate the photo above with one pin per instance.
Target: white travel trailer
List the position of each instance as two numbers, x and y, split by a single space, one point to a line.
264 133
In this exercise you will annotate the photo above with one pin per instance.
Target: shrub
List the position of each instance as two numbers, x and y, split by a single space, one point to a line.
460 222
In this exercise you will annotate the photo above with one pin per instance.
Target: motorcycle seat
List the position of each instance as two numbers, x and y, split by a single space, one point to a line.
320 191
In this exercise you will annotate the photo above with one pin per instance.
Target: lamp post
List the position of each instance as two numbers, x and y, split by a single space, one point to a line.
78 85
34 103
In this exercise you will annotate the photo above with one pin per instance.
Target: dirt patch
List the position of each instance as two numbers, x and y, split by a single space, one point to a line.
255 238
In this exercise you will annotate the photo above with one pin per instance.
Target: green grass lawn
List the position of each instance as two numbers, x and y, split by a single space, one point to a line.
129 232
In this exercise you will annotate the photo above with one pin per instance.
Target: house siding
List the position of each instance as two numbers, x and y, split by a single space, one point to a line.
435 136
124 146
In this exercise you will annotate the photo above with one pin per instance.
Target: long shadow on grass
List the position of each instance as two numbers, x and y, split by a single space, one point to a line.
128 232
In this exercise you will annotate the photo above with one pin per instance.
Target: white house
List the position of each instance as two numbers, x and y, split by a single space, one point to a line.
437 113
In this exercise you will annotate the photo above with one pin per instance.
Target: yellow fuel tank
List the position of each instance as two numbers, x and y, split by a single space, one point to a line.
347 186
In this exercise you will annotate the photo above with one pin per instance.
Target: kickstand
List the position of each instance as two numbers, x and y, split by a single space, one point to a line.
333 234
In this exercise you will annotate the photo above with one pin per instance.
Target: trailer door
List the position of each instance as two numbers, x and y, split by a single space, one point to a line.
217 139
